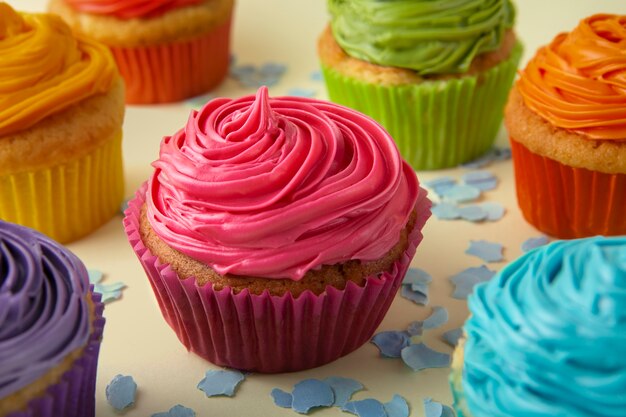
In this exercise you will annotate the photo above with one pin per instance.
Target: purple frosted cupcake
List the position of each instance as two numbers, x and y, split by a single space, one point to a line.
50 328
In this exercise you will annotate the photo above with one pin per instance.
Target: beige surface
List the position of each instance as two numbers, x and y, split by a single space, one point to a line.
138 342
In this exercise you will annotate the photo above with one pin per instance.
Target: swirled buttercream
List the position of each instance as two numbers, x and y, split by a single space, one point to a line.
129 9
275 187
43 307
578 81
547 335
45 69
430 37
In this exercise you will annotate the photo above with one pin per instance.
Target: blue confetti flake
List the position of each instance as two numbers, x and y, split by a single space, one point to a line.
472 213
418 297
534 242
432 408
369 407
301 92
483 180
177 411
438 318
95 276
416 328
446 211
494 210
397 407
121 392
109 292
452 337
281 398
487 251
390 343
441 184
343 388
222 382
419 356
468 278
316 76
461 194
417 276
311 393
124 205
268 74
493 155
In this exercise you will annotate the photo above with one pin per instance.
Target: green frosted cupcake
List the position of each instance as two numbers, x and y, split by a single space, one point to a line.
435 74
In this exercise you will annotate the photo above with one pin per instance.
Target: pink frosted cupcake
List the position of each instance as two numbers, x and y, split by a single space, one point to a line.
276 232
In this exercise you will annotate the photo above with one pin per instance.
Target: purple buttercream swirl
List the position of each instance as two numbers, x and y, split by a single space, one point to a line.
43 306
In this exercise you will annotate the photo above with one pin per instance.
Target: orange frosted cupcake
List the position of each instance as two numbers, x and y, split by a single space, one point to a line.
566 118
167 50
61 114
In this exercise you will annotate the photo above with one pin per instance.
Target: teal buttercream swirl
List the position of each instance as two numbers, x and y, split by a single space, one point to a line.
428 36
547 336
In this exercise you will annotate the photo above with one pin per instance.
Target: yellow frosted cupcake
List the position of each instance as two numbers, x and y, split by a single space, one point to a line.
435 74
167 50
61 113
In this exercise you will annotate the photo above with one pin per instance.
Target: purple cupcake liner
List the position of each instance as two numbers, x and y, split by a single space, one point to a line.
267 333
74 394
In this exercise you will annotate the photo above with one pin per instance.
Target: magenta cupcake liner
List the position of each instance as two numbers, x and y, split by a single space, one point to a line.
74 395
266 333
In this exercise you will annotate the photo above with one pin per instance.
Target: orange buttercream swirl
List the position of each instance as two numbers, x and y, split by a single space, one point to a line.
578 82
45 69
129 9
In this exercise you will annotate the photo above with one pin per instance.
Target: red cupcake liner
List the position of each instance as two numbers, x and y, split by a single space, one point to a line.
74 395
567 202
177 70
266 333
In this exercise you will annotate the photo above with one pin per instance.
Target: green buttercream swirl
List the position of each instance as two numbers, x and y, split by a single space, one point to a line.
428 36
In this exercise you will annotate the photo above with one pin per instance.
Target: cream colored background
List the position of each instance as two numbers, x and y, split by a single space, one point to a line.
138 342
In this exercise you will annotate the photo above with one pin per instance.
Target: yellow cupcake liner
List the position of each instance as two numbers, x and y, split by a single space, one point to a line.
68 200
436 124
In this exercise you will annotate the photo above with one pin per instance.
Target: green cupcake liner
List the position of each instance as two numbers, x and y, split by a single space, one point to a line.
436 124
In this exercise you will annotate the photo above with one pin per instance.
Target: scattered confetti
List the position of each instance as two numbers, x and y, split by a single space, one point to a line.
366 408
301 92
343 388
281 398
415 286
417 296
222 382
436 409
534 242
494 210
472 213
452 337
268 74
177 411
390 343
311 393
121 392
316 76
461 194
440 185
417 276
438 318
445 211
468 278
493 155
397 407
419 356
483 180
110 292
416 328
487 251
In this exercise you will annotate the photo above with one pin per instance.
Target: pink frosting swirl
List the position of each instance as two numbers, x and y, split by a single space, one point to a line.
129 9
276 187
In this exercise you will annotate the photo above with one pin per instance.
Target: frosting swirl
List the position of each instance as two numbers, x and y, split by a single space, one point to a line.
43 309
276 187
578 81
45 69
547 335
430 37
129 9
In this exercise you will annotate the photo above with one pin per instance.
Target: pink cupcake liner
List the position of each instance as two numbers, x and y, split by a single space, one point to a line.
74 395
266 333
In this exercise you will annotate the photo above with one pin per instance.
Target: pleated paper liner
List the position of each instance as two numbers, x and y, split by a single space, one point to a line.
266 333
567 202
69 200
74 394
177 70
436 124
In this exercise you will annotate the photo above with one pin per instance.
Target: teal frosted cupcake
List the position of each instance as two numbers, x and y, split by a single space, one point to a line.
435 74
547 335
